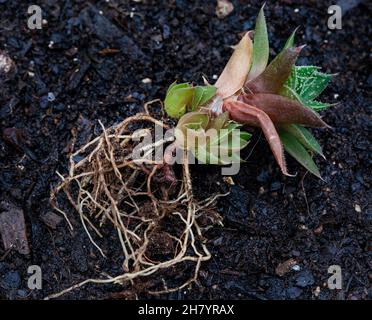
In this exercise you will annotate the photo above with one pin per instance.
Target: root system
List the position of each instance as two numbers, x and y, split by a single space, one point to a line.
156 218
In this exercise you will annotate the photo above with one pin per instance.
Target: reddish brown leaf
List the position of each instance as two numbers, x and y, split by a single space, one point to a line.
282 110
247 114
276 74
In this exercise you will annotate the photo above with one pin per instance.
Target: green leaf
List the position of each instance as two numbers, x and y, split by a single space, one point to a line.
260 47
290 41
172 86
305 71
304 136
198 119
245 135
202 95
224 133
318 106
290 93
297 151
305 84
208 93
177 98
225 143
314 85
220 121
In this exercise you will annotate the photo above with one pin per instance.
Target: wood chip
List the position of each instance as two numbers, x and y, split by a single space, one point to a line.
285 267
318 230
13 228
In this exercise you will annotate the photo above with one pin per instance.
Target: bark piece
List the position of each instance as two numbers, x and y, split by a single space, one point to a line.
13 228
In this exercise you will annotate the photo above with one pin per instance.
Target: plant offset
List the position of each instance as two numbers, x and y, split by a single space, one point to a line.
279 97
151 207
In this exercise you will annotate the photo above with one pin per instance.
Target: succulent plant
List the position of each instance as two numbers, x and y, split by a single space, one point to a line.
278 97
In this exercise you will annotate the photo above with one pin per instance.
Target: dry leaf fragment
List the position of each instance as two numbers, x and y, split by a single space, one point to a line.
235 73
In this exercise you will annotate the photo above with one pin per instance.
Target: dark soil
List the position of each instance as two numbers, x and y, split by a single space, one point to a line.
63 81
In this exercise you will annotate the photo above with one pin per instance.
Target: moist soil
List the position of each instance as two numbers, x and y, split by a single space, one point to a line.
101 60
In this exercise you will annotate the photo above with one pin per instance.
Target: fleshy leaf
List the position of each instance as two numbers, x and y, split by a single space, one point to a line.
224 135
177 99
220 148
304 137
318 106
290 41
305 84
276 74
198 94
194 117
183 97
173 85
297 151
234 74
250 115
282 110
202 95
314 85
220 121
190 130
260 47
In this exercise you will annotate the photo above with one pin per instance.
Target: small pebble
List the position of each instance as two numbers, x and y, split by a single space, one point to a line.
6 63
146 80
215 77
296 10
358 208
51 97
296 268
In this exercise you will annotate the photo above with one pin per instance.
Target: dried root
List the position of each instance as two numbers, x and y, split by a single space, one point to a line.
150 210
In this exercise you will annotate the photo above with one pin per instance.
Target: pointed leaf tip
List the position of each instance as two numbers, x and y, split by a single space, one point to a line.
276 74
290 41
260 46
297 151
